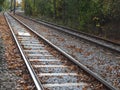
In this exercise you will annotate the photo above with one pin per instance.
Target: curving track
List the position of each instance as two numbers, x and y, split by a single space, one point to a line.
49 66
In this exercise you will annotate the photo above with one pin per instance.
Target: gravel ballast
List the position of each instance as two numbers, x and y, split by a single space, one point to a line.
65 73
104 62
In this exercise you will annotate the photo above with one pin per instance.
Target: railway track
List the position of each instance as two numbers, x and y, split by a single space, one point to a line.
90 38
101 60
50 67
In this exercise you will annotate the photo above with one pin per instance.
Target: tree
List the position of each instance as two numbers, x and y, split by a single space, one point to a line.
23 4
6 5
55 9
78 14
1 2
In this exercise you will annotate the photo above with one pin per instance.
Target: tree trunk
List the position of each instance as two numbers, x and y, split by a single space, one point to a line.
11 5
14 6
64 11
55 11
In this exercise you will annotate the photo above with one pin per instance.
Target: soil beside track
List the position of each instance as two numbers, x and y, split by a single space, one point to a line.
13 73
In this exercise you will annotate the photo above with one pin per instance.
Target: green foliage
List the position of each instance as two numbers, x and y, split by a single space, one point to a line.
0 8
1 3
115 10
6 4
77 13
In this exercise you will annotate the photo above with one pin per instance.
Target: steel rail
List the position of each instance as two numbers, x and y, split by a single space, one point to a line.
73 32
30 69
69 57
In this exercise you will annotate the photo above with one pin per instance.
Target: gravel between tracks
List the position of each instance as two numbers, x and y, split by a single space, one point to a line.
13 73
100 60
92 83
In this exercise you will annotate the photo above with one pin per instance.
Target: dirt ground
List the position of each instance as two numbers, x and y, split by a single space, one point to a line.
13 73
